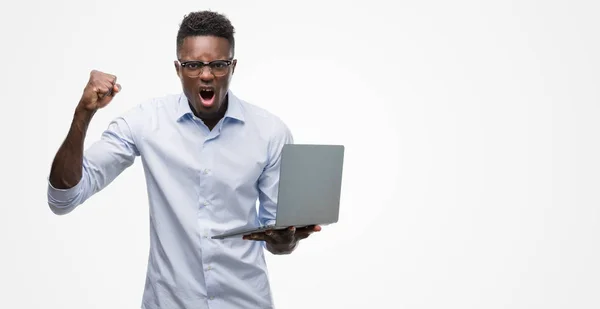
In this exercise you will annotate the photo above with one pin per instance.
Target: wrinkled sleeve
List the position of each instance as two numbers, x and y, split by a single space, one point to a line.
268 182
103 161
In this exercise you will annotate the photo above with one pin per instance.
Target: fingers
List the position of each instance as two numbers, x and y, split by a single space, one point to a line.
274 237
309 229
112 91
102 82
284 236
255 236
99 91
304 232
105 86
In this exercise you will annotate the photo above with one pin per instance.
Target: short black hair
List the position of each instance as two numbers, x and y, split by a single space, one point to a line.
206 23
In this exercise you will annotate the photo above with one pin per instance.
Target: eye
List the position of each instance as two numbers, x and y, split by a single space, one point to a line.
219 65
192 65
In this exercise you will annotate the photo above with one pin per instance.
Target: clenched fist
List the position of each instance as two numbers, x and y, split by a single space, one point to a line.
99 91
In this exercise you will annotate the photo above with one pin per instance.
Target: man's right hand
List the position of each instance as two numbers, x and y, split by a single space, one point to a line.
99 91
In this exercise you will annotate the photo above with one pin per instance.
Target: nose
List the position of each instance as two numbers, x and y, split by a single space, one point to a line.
206 74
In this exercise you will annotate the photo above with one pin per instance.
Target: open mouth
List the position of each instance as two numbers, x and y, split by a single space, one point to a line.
207 93
207 96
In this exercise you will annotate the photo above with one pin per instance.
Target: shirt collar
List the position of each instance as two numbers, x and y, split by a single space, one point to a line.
234 108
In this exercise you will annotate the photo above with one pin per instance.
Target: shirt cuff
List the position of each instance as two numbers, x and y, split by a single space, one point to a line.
60 197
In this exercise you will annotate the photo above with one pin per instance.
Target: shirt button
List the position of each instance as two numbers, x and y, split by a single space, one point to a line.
206 171
209 268
205 203
212 297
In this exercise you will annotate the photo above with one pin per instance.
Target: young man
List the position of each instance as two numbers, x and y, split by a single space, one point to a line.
208 157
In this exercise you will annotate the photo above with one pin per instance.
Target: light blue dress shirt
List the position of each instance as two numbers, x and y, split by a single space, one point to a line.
200 183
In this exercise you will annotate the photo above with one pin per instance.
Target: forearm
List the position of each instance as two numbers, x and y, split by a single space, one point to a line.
66 170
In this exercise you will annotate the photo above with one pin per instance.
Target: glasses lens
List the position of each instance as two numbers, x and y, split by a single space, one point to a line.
219 68
193 69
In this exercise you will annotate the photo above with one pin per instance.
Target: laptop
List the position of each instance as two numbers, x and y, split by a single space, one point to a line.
310 182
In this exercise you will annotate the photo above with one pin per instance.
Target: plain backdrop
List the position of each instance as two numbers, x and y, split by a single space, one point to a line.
471 128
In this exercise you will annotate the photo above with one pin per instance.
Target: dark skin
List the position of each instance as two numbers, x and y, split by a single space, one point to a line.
283 241
66 170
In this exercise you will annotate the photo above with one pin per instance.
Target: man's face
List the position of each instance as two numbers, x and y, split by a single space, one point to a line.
205 87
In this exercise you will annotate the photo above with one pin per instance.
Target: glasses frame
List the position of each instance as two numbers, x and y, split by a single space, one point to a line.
204 64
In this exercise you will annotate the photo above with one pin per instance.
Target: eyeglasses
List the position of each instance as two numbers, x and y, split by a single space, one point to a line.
194 68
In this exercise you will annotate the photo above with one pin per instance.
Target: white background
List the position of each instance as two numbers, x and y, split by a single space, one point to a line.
471 128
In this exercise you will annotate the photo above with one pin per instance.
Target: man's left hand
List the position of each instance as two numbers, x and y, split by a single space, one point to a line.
283 241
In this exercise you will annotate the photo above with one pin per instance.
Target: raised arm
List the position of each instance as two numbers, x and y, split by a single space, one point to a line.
75 175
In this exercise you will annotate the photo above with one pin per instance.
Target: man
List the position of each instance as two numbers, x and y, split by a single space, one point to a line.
208 156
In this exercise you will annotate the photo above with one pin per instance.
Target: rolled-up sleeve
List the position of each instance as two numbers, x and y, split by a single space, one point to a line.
103 161
268 182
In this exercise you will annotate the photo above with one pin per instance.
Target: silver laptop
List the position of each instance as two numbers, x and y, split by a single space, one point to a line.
310 184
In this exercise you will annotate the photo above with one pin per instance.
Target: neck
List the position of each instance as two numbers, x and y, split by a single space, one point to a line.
211 120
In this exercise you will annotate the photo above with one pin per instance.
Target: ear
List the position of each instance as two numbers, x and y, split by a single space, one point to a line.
177 68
